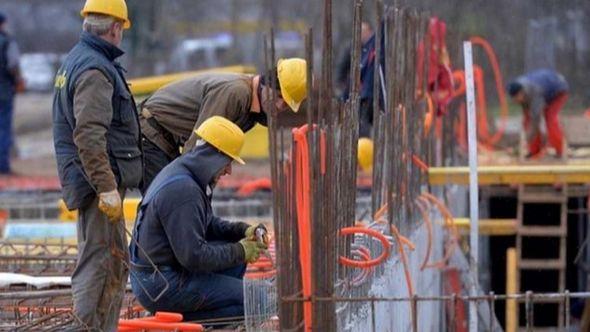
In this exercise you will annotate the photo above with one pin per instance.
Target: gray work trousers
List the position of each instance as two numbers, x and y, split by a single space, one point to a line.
100 277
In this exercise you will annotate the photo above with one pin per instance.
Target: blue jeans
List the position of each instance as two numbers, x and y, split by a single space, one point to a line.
5 134
197 296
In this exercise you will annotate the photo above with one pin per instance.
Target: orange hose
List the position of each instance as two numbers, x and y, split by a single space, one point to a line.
428 223
450 223
499 87
155 325
302 191
370 263
250 187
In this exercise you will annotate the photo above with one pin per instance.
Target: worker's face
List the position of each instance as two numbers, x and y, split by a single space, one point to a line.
224 171
366 32
266 102
519 98
116 33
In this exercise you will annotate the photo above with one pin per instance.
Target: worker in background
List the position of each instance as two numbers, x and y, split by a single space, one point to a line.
98 150
202 256
439 78
541 92
170 116
367 59
10 83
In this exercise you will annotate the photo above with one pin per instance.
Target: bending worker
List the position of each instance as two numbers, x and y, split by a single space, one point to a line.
542 92
169 117
202 257
97 145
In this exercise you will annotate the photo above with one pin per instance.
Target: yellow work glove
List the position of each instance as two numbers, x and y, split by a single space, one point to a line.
251 232
252 250
110 204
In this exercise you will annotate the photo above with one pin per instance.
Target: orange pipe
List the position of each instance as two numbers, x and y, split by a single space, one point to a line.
302 191
250 187
155 325
499 87
370 263
428 223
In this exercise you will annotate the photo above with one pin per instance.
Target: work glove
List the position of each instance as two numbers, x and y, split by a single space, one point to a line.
252 250
110 204
251 232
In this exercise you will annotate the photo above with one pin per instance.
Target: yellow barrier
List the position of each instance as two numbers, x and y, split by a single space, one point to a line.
146 85
521 174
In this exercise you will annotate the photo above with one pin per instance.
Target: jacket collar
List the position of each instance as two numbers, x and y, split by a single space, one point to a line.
100 45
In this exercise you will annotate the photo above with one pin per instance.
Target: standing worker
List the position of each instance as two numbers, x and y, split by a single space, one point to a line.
541 92
170 116
98 150
201 256
10 83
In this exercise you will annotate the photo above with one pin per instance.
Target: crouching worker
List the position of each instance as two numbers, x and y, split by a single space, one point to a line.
202 257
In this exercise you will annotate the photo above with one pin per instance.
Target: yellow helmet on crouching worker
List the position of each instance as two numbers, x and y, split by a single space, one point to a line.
365 154
223 134
292 75
114 8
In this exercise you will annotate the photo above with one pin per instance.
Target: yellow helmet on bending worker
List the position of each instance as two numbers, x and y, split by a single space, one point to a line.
292 75
114 8
223 134
365 154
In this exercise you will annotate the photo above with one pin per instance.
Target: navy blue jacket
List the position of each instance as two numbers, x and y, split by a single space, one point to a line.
176 225
546 83
7 79
123 135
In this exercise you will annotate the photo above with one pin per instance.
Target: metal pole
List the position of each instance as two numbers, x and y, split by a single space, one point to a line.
473 187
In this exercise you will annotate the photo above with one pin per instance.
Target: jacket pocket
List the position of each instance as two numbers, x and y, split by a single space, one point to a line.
129 164
126 108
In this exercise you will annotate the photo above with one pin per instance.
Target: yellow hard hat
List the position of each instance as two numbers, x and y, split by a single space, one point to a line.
114 8
223 134
365 154
292 75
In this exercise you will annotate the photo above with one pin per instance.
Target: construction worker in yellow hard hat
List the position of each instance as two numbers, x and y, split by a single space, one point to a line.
202 256
98 151
170 116
365 154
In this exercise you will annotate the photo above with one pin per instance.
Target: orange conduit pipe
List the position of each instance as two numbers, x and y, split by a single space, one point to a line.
302 191
250 187
477 40
365 264
162 321
450 223
423 207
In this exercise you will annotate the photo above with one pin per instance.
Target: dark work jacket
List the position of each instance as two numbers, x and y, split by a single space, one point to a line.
7 79
123 135
545 83
175 223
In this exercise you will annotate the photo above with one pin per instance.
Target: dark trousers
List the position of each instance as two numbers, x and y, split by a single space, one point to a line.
5 134
198 296
100 277
154 161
